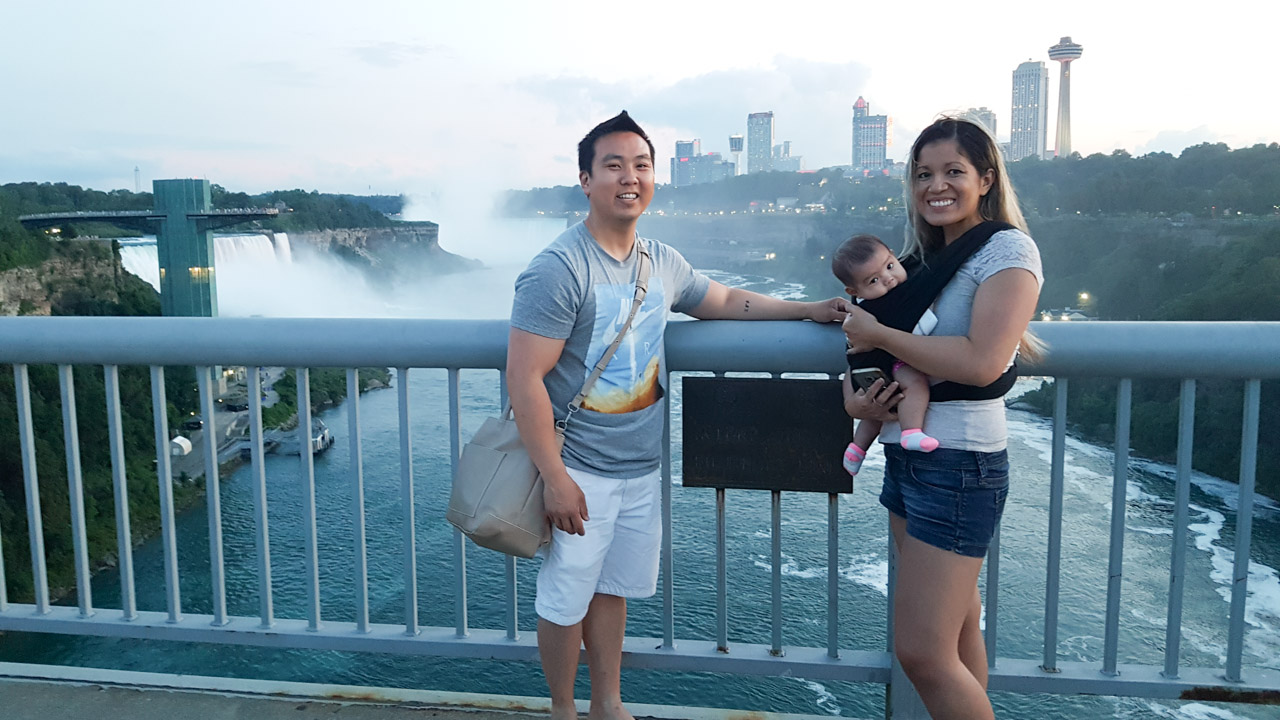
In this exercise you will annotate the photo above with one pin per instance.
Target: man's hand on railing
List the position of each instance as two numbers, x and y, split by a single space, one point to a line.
565 503
833 310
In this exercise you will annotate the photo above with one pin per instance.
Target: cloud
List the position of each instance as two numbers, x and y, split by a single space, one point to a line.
392 54
282 72
812 104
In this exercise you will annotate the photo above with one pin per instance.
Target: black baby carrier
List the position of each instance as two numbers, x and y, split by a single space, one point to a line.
902 307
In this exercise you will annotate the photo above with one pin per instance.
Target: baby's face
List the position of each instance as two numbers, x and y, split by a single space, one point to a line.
877 276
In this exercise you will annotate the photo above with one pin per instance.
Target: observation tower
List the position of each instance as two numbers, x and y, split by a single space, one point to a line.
1064 52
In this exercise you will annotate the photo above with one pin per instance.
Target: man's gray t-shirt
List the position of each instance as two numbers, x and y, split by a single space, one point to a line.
574 291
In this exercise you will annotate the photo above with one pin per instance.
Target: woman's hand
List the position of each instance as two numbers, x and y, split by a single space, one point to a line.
874 403
862 330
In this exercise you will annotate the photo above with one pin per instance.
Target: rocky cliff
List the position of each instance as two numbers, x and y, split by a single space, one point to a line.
82 278
402 251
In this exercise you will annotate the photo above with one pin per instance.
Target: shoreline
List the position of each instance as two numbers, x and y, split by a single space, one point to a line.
187 496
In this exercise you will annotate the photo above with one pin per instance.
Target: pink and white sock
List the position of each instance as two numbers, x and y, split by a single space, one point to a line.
853 457
915 439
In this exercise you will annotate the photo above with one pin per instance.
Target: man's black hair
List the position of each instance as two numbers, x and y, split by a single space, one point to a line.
621 122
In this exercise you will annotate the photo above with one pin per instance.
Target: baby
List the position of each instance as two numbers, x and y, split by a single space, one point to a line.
869 269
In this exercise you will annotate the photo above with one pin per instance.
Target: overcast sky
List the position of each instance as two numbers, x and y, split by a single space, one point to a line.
442 99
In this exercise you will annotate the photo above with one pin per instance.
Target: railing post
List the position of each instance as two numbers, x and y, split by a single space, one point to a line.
31 485
901 701
213 497
1181 512
1244 527
4 583
668 562
307 467
991 633
722 597
775 549
120 488
408 538
459 540
513 585
833 576
1119 495
261 534
75 490
1052 575
359 547
164 476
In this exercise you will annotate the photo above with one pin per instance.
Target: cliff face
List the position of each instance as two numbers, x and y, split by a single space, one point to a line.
400 251
79 272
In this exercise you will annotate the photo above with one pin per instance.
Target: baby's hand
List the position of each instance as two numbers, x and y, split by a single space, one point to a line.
859 328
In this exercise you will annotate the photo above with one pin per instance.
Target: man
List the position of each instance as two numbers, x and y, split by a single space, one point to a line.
602 491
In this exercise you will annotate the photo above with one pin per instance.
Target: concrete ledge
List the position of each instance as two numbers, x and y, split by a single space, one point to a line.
38 692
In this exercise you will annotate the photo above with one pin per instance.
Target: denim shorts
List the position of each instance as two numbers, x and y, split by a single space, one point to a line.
951 499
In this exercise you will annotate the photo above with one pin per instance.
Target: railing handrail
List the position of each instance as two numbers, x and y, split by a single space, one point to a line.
1248 351
1101 349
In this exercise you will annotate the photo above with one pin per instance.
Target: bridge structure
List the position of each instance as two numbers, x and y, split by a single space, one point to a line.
1185 352
182 218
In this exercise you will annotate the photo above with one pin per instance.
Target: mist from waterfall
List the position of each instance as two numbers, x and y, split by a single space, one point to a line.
259 277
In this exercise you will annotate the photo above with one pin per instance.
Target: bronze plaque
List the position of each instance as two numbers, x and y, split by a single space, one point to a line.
765 434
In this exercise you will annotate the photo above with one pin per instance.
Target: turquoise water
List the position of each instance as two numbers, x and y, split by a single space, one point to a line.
863 573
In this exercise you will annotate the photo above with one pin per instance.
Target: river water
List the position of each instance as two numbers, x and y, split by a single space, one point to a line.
863 567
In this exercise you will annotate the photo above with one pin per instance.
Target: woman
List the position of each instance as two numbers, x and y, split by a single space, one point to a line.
944 506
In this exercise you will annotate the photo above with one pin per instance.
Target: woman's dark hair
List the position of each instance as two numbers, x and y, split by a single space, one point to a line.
981 150
621 122
854 252
1000 202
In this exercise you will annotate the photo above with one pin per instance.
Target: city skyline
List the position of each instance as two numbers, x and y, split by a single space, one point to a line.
1064 53
871 138
1029 115
429 100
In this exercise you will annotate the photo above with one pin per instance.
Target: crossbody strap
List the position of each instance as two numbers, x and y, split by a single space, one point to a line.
642 289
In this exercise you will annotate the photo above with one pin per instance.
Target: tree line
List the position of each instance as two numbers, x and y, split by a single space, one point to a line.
300 209
1207 180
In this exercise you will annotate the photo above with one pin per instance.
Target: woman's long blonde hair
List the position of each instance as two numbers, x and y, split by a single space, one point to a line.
1000 203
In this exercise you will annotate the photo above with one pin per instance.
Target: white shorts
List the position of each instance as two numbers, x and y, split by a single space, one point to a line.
618 555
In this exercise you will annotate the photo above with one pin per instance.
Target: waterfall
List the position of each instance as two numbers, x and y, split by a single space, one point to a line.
140 257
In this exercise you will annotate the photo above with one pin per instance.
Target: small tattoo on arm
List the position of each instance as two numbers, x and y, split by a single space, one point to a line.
746 308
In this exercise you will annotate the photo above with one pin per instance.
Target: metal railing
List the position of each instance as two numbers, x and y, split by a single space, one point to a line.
1246 351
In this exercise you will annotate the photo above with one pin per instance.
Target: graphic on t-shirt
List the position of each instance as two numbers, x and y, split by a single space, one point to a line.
630 381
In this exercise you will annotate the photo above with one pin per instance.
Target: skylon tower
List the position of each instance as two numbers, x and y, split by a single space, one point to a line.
1064 52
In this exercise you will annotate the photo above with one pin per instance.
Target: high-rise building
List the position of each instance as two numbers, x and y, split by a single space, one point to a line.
735 146
712 167
681 164
1030 113
691 167
784 161
983 115
871 137
1064 52
188 283
760 142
